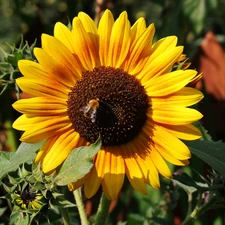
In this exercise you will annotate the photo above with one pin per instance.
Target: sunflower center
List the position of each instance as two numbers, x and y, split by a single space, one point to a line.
109 102
28 195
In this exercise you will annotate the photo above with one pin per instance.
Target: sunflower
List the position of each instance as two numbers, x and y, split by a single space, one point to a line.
28 199
110 80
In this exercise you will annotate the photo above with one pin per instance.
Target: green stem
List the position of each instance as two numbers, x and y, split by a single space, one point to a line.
103 211
80 207
65 216
199 210
189 203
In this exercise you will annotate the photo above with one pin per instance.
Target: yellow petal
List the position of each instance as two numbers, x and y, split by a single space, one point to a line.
133 172
58 51
153 174
144 168
40 128
114 170
42 106
42 87
90 27
169 143
92 183
168 83
31 69
85 43
185 97
137 29
62 72
185 132
175 115
119 41
75 185
162 45
161 64
88 24
60 150
104 31
159 163
45 149
170 158
150 173
63 34
19 123
139 51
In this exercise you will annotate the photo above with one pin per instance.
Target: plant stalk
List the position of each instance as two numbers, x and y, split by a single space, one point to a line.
199 210
80 207
103 211
65 216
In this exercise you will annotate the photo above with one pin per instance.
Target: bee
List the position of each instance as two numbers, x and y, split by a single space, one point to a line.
90 110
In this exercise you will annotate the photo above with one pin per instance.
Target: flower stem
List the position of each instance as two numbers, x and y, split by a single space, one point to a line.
189 203
80 207
103 210
65 216
199 210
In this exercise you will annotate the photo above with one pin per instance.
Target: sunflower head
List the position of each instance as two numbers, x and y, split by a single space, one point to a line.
32 194
24 191
110 80
28 199
115 106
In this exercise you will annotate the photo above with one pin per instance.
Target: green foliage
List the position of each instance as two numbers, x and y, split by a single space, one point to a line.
195 12
31 193
213 153
8 66
10 161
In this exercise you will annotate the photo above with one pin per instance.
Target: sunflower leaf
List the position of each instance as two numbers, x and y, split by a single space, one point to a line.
213 153
195 12
11 161
78 164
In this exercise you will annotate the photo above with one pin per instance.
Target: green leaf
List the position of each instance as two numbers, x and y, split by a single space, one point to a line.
195 11
78 164
62 203
189 185
5 156
2 210
13 59
135 219
213 153
11 161
205 134
185 179
18 218
185 182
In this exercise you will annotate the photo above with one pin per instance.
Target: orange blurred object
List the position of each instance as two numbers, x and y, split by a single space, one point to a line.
211 61
212 64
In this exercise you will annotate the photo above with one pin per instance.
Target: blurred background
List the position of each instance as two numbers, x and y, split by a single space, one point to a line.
200 28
